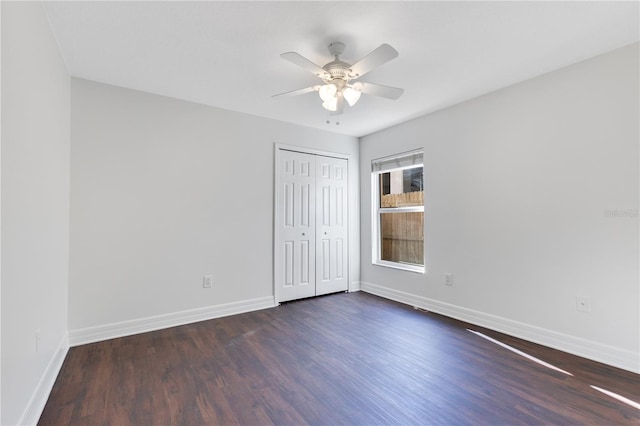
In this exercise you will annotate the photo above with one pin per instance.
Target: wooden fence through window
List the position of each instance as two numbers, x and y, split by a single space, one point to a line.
402 232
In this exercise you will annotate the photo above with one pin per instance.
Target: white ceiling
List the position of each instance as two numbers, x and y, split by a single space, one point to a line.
226 54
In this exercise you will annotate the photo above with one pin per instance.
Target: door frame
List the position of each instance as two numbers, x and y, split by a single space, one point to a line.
276 214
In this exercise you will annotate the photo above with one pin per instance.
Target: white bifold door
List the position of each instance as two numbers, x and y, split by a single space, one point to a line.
311 225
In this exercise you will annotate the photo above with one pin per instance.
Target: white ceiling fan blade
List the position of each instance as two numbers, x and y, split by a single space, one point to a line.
297 92
304 63
377 57
379 90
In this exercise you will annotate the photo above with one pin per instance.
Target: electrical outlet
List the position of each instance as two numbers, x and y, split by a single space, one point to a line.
37 340
448 279
583 304
207 281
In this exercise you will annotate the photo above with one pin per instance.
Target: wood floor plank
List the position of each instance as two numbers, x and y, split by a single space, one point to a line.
343 359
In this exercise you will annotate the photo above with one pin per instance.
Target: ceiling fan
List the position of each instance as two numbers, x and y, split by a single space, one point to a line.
339 77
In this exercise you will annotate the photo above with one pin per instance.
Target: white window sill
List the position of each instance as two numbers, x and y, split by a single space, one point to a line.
402 266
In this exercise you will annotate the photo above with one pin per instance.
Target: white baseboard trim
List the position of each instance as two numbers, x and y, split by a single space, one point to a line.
617 357
158 322
354 286
40 395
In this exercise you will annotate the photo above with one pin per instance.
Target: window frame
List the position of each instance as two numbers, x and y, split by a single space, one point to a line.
377 211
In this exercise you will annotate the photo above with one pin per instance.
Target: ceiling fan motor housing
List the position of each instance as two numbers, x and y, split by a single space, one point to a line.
337 69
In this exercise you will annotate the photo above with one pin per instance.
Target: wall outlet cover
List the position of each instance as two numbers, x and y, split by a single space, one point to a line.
207 281
448 279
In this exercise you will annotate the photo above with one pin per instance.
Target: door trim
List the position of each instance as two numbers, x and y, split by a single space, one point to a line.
311 151
276 214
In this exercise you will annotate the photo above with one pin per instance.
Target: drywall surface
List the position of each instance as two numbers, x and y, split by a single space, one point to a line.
531 199
164 192
35 205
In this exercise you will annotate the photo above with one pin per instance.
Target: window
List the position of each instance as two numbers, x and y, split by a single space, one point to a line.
398 210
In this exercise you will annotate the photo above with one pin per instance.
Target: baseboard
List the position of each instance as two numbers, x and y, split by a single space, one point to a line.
38 400
354 286
158 322
595 351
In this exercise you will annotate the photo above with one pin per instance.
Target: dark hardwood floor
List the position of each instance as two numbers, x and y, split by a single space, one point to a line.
339 359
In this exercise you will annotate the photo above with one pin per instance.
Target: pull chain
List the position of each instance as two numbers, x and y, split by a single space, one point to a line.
329 120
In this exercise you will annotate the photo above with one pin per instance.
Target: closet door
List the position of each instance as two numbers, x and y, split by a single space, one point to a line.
331 225
295 263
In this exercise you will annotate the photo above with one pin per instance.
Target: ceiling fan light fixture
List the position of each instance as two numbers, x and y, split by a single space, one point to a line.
327 92
351 95
331 104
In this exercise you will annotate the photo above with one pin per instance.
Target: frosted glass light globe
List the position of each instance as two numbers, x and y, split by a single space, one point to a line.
327 92
351 95
331 104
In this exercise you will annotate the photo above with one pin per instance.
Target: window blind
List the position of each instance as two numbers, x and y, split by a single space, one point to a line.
398 161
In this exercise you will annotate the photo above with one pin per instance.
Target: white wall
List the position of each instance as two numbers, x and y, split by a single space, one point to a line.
518 184
165 191
35 209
